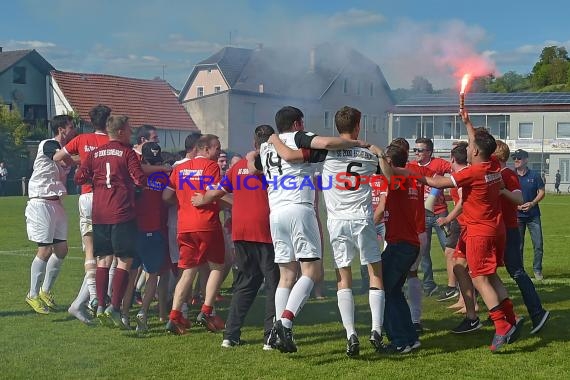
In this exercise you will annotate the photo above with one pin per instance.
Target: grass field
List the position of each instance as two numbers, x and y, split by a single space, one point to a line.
57 346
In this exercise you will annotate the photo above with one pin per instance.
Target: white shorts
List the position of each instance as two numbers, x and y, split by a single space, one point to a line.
423 247
351 237
45 221
85 209
295 233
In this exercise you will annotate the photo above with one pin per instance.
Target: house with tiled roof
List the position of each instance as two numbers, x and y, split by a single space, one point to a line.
236 89
538 123
144 101
23 78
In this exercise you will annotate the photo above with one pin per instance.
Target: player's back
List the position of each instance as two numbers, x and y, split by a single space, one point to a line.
287 183
349 197
190 177
84 144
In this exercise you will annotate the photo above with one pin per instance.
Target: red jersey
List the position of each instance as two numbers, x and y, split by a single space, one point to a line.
480 185
82 145
421 210
194 176
151 210
454 193
250 212
378 188
438 166
114 170
400 215
509 209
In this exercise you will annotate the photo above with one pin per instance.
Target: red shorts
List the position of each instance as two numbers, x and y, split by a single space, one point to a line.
459 252
197 248
484 254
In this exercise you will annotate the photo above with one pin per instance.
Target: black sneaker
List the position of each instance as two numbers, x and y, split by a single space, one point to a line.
431 292
391 349
449 293
467 325
285 341
352 346
539 321
376 340
419 328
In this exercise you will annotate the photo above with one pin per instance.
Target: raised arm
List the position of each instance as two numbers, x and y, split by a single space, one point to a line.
336 143
468 125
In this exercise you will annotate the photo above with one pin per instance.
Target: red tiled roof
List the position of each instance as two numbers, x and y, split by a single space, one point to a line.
143 101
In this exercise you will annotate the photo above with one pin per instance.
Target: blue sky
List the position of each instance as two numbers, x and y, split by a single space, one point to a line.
405 38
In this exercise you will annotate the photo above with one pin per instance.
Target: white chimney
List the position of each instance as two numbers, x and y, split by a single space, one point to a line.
312 58
261 88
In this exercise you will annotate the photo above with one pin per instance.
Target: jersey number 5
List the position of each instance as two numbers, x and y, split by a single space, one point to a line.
356 176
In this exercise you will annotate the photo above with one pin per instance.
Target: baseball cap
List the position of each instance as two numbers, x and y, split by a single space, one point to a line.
519 153
151 153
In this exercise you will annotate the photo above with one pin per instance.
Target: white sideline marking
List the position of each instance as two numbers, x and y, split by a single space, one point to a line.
29 252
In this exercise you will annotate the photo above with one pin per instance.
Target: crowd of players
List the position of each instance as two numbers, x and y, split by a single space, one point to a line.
138 212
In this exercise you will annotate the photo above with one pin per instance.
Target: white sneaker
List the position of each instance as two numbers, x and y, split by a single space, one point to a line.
80 314
126 322
141 322
267 347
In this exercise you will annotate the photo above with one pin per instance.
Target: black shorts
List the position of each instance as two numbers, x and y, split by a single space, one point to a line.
115 239
454 229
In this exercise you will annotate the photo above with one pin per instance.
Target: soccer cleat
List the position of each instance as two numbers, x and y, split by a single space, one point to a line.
37 304
142 325
418 327
352 346
80 313
271 341
467 325
114 317
228 343
431 292
175 327
510 337
48 299
212 323
126 322
376 340
392 349
449 293
92 307
538 322
285 341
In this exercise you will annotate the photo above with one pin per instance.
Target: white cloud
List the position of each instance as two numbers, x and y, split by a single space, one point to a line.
32 44
178 43
355 18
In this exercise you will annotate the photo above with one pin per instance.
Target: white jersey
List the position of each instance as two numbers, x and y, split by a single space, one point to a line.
287 183
347 195
48 178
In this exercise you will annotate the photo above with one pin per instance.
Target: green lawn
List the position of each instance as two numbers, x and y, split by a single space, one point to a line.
57 346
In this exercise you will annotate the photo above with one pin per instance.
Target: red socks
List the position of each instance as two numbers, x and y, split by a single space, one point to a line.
503 316
102 284
207 309
119 286
288 315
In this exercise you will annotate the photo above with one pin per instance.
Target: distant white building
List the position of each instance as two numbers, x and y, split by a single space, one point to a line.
536 122
235 90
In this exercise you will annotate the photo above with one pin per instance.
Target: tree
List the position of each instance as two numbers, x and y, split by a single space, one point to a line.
510 82
421 85
552 67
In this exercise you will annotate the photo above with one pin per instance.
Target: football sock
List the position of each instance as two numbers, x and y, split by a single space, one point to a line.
287 318
299 294
377 299
37 273
52 271
111 275
281 297
120 283
82 296
175 315
502 326
345 301
207 309
415 298
508 308
90 270
102 284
